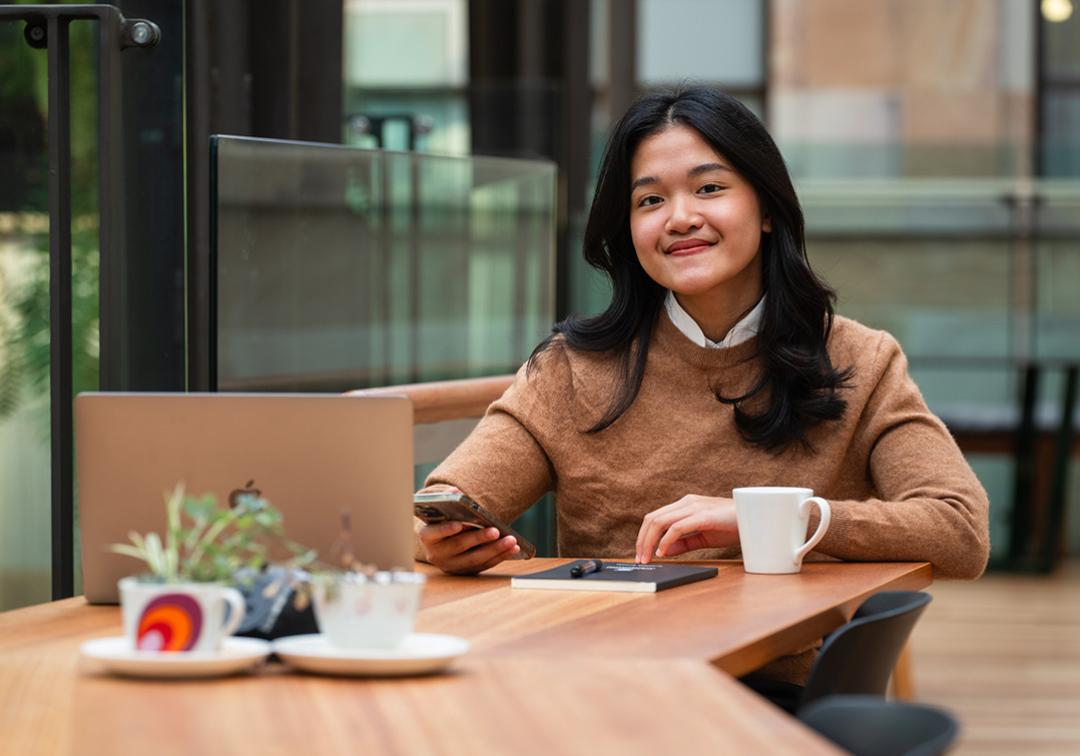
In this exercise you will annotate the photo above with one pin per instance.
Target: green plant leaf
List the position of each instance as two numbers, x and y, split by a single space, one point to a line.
155 558
215 542
173 504
267 519
304 557
131 551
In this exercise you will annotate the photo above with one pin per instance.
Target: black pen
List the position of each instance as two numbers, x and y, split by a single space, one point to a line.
581 569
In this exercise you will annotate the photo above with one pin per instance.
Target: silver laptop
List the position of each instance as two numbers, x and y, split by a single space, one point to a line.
310 456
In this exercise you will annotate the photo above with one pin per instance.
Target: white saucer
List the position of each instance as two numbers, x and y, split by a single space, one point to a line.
116 654
418 654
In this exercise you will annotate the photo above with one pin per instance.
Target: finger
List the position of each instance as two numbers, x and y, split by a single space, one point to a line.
431 533
686 528
651 525
445 551
642 540
701 530
652 529
691 542
448 548
650 533
500 557
481 557
655 523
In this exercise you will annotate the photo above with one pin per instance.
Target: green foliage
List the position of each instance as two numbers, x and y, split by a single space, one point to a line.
207 543
10 365
24 90
24 300
24 328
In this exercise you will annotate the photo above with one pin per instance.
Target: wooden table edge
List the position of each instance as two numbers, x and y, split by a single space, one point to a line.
761 651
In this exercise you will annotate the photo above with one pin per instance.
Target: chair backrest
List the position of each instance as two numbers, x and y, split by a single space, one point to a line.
870 726
858 658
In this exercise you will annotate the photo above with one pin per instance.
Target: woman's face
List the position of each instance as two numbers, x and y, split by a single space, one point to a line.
696 224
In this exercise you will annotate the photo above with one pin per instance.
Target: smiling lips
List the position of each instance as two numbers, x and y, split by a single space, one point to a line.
688 247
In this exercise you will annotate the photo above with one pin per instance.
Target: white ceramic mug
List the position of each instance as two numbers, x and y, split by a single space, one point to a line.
180 616
360 611
772 527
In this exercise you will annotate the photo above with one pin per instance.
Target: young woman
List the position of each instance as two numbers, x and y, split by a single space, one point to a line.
718 364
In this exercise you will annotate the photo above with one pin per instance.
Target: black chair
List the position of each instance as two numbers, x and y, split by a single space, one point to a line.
857 658
869 726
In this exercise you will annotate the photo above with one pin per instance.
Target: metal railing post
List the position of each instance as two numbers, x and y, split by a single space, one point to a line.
48 27
1053 529
112 291
60 384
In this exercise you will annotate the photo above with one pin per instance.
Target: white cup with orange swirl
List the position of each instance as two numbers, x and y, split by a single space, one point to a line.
177 617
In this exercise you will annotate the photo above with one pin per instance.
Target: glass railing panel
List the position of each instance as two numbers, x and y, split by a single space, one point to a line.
946 302
342 268
973 277
1057 295
908 207
989 264
1059 145
857 159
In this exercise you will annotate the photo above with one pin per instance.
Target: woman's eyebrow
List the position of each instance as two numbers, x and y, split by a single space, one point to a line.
695 171
706 167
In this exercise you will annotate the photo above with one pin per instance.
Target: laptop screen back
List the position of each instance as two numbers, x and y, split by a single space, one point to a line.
312 457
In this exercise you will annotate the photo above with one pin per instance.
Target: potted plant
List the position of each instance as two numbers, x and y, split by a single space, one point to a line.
184 601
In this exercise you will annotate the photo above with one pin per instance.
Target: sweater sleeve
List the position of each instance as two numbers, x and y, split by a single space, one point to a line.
503 464
932 507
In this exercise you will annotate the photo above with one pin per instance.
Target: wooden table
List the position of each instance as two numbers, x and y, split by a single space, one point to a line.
550 672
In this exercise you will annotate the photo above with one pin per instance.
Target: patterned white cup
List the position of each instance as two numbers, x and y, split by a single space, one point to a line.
179 616
358 611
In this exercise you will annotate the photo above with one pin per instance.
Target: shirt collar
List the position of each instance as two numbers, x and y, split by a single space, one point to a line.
744 330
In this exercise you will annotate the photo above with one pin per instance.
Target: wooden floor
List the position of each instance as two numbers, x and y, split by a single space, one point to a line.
1003 654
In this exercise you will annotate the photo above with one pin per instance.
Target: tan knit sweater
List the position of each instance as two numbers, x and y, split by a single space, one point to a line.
898 485
899 488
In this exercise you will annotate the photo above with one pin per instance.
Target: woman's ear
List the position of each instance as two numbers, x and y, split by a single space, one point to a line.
766 225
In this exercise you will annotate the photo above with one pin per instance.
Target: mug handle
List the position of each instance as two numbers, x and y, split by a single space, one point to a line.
235 601
823 525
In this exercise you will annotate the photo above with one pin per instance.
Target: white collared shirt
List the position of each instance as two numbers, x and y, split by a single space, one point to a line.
744 330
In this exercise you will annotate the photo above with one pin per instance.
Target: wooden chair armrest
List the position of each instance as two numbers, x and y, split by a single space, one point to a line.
446 400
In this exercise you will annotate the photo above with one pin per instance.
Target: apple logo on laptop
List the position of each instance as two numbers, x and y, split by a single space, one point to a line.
247 490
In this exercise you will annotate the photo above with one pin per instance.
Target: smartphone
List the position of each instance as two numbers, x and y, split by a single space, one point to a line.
433 508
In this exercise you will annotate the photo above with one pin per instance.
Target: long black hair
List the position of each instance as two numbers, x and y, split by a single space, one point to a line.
798 385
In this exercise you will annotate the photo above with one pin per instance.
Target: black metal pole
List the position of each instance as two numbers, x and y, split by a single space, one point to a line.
383 261
1038 166
1024 470
211 278
114 374
415 229
115 34
1059 482
60 385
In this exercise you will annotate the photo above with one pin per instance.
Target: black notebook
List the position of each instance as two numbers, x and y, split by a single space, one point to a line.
616 576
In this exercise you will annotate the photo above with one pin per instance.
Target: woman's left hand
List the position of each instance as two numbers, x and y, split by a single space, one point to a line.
693 522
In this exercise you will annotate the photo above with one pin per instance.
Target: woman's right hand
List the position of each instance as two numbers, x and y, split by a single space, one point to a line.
458 549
